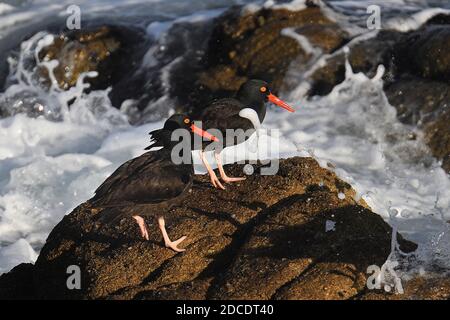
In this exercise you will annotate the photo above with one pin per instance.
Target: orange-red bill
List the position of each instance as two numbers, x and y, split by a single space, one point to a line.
203 133
274 99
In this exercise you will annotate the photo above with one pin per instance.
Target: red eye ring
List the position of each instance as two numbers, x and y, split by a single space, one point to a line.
263 89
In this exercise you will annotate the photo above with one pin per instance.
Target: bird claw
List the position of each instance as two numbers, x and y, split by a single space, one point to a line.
142 227
216 183
174 244
145 235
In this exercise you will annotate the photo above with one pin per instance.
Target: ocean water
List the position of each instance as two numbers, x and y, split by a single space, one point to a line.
53 157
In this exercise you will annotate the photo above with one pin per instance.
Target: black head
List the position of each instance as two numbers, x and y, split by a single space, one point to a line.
177 121
254 93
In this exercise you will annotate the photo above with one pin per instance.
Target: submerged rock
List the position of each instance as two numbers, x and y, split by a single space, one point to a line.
266 237
425 103
364 56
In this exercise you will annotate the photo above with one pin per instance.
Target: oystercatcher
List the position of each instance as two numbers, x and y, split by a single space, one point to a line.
152 180
246 111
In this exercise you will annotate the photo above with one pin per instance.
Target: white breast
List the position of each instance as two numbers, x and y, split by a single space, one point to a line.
251 115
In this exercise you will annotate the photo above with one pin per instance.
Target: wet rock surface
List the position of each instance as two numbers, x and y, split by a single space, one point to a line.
421 288
114 52
426 53
421 91
287 236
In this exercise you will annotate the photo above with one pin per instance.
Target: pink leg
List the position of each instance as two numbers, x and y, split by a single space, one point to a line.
141 223
214 180
223 175
169 243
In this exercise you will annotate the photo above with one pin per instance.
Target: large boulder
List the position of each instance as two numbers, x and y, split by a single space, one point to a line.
364 56
426 53
114 52
299 234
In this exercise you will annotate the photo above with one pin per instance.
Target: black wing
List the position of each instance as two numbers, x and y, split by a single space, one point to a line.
150 178
153 184
124 171
224 114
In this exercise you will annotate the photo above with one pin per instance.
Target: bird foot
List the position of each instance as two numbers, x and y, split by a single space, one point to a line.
141 223
216 182
174 244
227 179
169 243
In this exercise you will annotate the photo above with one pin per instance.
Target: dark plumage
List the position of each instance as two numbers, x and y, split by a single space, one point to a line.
151 179
225 114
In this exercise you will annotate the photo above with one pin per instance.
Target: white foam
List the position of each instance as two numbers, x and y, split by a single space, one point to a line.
4 8
356 130
415 21
294 5
13 254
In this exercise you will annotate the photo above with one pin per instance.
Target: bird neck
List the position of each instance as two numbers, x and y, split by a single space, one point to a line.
179 150
254 103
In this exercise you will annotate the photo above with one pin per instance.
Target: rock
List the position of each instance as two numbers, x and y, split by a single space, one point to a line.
425 103
422 53
425 53
267 237
418 100
246 45
18 283
441 18
416 80
419 288
437 136
364 56
114 52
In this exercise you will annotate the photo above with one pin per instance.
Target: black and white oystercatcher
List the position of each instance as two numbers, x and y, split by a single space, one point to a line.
237 113
152 179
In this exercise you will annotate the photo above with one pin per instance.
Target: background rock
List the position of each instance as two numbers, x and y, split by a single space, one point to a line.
426 53
416 79
115 52
245 45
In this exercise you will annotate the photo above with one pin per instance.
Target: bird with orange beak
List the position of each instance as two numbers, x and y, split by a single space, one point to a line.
151 184
232 113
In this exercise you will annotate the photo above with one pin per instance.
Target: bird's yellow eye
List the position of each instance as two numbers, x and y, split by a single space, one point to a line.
186 120
263 89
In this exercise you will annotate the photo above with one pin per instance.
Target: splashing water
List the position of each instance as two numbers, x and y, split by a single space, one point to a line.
356 130
27 92
57 146
51 154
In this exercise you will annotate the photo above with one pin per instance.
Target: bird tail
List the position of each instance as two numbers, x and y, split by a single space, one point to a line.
110 213
109 216
156 138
